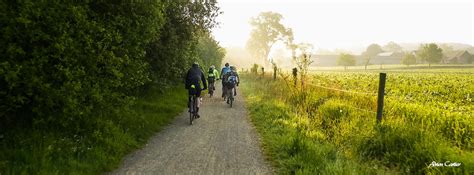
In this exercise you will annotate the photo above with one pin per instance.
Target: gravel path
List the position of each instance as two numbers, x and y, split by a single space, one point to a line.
222 141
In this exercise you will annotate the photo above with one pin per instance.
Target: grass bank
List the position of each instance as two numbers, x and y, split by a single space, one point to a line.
98 148
309 132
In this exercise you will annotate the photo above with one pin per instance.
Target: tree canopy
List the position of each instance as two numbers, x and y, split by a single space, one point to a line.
392 47
346 60
430 53
371 51
409 59
267 29
69 63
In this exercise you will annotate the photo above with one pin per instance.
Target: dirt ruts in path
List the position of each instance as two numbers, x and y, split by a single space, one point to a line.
222 141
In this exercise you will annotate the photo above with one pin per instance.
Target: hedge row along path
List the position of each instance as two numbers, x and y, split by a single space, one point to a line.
222 141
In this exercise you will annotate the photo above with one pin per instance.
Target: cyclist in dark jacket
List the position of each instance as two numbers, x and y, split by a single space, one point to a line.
192 84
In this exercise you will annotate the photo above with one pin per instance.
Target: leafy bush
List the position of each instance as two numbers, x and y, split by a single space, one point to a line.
75 69
63 61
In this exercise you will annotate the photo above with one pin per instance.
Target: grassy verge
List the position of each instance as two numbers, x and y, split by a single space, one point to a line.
326 136
290 149
98 148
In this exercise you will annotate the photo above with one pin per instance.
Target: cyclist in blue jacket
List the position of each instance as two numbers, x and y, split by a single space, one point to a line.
225 69
231 80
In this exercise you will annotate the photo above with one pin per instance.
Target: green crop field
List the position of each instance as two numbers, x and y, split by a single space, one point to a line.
328 124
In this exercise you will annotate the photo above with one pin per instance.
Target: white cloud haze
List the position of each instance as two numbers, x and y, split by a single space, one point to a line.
350 24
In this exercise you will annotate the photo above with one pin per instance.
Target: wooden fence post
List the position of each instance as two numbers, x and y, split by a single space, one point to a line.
381 96
295 75
275 69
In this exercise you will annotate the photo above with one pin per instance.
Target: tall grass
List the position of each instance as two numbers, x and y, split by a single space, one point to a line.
320 132
99 147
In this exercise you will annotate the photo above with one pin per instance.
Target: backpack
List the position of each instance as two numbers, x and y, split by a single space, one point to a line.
232 78
225 70
211 73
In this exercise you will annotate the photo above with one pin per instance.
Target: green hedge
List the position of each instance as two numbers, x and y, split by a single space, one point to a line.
63 61
68 66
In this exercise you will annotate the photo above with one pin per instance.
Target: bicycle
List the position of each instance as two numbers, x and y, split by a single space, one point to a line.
230 96
192 108
211 87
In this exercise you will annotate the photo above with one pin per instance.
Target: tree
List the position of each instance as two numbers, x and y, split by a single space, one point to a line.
346 60
69 63
186 22
372 51
74 69
392 47
430 53
209 51
267 30
447 50
409 59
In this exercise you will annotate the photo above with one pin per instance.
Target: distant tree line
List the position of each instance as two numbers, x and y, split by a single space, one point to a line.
429 53
64 63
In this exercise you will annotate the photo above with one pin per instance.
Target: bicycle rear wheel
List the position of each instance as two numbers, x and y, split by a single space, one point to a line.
231 97
190 118
211 91
192 110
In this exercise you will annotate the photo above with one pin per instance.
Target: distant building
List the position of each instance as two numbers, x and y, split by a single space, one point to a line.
324 60
459 57
387 58
382 58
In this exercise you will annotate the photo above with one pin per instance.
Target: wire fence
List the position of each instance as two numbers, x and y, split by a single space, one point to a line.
342 90
350 92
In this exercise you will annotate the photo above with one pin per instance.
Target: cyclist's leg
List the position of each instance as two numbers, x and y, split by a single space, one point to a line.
232 92
198 101
223 89
214 85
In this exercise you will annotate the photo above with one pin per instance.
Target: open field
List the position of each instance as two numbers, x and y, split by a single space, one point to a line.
331 122
399 67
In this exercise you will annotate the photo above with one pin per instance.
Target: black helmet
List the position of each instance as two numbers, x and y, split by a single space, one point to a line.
195 64
226 64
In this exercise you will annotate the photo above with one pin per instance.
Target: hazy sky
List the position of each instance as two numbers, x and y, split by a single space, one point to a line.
353 23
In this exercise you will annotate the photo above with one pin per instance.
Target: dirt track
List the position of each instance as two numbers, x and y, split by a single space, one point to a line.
222 141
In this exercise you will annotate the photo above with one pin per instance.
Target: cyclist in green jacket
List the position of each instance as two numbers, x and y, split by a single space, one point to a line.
212 76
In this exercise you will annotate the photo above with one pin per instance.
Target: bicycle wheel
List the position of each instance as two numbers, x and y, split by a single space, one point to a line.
211 91
231 97
192 110
190 118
